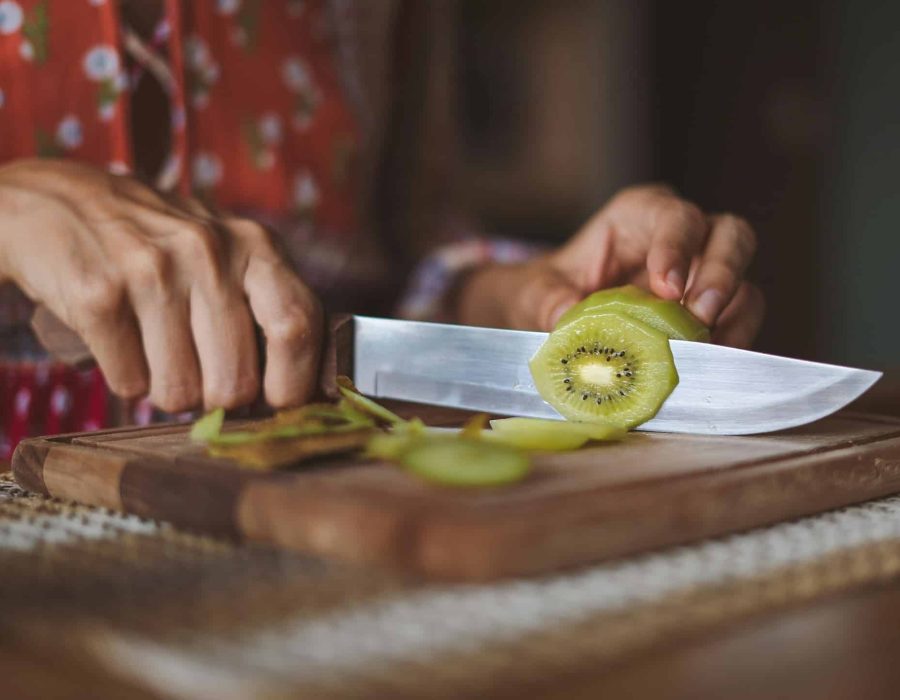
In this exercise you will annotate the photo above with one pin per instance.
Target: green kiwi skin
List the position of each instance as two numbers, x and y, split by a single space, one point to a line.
669 317
639 352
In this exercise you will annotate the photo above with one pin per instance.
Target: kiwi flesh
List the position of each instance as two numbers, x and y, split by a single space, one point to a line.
606 367
669 317
461 461
540 434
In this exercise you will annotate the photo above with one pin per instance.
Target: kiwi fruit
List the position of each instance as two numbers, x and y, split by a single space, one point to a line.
208 426
459 461
540 434
669 317
606 367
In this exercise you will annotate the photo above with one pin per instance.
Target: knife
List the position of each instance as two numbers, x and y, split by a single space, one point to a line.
721 390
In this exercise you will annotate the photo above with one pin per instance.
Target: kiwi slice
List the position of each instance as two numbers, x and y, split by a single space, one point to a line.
607 367
548 435
457 461
669 317
208 426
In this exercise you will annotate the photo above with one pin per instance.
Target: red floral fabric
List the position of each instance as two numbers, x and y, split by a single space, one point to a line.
258 122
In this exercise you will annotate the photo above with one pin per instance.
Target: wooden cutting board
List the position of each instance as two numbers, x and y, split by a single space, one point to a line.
607 501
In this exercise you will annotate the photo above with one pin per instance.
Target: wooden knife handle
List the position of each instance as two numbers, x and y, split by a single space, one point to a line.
66 345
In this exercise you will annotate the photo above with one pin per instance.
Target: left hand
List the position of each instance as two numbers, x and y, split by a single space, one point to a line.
646 236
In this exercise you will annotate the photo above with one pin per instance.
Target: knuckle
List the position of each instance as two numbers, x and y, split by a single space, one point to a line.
255 234
128 388
293 328
745 236
203 245
233 395
96 298
173 398
684 215
149 268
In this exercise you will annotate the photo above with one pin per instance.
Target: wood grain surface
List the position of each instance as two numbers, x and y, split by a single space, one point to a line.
648 491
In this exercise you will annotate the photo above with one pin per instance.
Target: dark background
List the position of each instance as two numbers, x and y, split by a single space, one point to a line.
787 113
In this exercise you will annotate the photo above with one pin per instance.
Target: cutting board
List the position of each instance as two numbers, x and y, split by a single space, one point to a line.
649 491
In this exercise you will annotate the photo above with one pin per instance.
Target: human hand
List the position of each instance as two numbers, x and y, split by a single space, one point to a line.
163 292
646 236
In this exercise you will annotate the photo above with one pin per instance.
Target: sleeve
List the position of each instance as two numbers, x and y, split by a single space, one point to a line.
430 293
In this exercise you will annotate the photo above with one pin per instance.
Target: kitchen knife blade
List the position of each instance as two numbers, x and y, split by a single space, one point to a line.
721 390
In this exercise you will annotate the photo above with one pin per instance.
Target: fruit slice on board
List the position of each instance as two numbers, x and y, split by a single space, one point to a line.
456 461
548 435
608 368
669 317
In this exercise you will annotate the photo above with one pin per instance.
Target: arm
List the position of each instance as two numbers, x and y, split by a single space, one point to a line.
163 292
644 235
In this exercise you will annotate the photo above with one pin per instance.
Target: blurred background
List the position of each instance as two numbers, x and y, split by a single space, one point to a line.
787 113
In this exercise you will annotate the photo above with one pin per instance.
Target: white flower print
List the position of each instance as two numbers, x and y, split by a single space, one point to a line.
22 401
69 133
196 52
179 119
96 3
207 170
296 74
11 17
227 7
101 63
106 111
270 128
211 73
26 50
60 400
306 193
120 82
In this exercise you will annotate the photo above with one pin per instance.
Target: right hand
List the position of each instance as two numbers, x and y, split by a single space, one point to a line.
163 292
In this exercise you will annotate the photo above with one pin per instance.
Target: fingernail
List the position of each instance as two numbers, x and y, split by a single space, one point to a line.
675 280
707 305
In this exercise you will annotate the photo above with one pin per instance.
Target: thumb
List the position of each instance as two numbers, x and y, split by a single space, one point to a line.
548 296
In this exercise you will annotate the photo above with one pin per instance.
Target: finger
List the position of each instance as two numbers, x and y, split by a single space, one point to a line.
741 320
163 314
291 320
99 312
728 252
679 232
220 319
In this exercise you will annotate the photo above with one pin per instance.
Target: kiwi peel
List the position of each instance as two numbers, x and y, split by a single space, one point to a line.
605 367
668 317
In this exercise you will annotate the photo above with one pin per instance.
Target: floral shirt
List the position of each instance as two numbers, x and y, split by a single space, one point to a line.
259 122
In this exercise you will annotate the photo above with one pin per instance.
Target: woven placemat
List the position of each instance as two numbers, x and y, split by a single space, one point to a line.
189 616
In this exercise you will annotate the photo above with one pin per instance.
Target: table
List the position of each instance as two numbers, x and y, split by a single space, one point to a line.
132 608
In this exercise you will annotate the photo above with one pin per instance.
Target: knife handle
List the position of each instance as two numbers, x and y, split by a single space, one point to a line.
66 346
